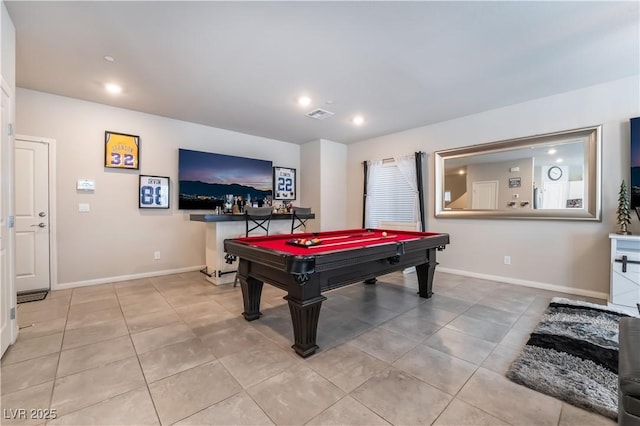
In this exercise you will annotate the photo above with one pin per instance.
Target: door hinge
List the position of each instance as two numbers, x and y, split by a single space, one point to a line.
11 221
10 129
13 313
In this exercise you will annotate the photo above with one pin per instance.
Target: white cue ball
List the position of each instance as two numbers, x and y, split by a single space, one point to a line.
384 234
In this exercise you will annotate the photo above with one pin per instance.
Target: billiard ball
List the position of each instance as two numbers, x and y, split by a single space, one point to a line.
384 233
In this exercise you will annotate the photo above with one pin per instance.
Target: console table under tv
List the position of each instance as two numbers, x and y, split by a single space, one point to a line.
222 226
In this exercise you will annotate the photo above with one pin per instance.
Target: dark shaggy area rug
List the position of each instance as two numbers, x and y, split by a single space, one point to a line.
572 355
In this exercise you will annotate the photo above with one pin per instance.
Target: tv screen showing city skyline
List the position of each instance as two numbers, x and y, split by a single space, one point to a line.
207 180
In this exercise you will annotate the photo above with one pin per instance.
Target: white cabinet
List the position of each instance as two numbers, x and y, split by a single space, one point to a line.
625 272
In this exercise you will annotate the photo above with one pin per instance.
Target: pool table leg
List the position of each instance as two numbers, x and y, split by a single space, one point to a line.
304 316
251 294
425 274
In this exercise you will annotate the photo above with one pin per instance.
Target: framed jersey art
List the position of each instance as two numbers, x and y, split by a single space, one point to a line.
153 192
121 151
284 183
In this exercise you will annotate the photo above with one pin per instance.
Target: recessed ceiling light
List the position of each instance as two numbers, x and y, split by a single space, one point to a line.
304 101
358 120
559 160
551 151
113 88
109 58
461 172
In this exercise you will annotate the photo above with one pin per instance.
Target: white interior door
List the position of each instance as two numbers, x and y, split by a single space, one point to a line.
484 195
554 195
8 330
32 215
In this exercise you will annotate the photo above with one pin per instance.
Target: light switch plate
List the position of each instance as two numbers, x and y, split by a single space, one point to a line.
84 207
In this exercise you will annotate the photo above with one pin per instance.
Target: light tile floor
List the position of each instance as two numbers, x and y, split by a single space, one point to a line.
176 350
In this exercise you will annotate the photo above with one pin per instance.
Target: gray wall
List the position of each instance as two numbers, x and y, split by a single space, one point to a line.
116 239
568 256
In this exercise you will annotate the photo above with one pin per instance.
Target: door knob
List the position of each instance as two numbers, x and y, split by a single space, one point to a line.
42 214
41 225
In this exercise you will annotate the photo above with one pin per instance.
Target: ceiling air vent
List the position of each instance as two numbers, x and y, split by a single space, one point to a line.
319 114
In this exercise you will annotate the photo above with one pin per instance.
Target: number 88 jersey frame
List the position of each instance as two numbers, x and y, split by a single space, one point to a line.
121 150
154 192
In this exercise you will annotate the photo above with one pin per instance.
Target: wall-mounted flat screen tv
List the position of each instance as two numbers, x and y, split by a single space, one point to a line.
208 180
635 164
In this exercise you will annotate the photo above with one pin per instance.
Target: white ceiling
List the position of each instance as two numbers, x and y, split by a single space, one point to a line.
240 65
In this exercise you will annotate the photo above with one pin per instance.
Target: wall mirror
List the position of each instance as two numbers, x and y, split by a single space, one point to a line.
550 176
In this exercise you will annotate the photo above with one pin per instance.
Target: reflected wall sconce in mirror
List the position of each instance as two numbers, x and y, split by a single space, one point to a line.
553 176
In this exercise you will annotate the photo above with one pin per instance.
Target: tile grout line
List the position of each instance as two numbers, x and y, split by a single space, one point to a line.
478 367
113 396
144 376
55 375
58 365
191 368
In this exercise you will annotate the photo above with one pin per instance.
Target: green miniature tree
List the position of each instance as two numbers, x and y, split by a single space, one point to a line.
624 217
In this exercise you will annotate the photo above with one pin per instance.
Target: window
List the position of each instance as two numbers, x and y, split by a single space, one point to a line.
392 192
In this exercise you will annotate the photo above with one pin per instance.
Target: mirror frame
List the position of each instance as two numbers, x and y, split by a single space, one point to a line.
591 210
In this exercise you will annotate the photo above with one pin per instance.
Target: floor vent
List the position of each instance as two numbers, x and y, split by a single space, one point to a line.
32 296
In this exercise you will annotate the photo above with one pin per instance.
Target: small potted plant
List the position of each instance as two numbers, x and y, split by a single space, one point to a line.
624 217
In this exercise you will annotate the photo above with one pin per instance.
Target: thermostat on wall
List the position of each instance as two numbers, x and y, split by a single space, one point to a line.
86 185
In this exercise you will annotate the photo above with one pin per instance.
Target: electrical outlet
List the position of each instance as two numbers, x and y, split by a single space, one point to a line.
156 255
507 260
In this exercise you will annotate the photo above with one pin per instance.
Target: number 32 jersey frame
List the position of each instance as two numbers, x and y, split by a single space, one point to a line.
121 151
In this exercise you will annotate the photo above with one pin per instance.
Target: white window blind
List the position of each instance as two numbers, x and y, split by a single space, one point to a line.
390 197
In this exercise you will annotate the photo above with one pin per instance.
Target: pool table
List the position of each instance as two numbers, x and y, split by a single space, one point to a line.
306 264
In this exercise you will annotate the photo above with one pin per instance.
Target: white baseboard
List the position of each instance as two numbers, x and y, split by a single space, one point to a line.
107 280
527 283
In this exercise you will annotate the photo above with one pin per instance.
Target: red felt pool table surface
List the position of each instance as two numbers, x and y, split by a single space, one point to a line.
339 258
331 241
